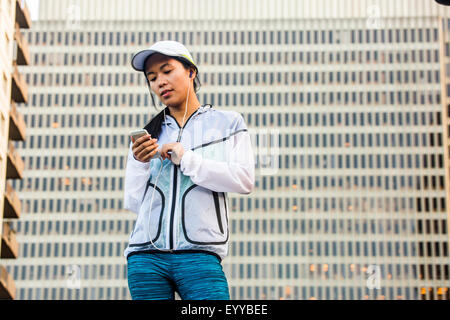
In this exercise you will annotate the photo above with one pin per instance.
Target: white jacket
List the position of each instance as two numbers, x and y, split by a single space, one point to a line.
190 204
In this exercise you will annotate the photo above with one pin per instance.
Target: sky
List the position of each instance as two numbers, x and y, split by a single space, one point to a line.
33 6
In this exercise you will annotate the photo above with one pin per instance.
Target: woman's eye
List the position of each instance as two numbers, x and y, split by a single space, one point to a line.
166 72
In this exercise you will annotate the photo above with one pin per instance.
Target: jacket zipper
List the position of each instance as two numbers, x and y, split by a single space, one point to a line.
174 199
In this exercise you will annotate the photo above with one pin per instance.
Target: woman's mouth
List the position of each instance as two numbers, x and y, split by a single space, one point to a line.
166 94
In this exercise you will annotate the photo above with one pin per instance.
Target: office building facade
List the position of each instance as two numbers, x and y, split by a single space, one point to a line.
346 104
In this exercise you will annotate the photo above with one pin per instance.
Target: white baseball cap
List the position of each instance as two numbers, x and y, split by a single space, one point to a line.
168 48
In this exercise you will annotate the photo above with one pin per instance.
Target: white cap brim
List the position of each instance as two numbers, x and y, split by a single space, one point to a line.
138 61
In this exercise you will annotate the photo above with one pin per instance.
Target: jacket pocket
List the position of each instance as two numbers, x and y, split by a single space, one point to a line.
139 236
204 216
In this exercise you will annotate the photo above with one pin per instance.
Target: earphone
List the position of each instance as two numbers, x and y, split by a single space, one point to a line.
174 157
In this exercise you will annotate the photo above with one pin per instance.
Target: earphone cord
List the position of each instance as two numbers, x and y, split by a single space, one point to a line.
160 170
151 203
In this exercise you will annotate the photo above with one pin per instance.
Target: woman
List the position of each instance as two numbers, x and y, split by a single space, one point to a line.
179 190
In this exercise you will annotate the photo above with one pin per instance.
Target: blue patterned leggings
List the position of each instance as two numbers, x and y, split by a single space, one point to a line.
194 275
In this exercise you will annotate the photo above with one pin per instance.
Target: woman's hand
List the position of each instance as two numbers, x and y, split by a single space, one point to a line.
176 150
144 148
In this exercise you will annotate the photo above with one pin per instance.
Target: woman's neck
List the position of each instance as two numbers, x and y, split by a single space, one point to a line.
178 111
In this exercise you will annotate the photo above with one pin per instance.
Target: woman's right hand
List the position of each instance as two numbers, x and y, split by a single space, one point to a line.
144 148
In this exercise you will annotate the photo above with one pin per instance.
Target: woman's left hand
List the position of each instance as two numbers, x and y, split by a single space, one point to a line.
177 152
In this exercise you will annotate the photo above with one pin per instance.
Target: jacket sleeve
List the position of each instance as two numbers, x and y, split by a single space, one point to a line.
136 175
235 175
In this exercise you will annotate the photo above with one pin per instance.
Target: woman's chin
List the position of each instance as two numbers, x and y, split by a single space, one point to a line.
172 104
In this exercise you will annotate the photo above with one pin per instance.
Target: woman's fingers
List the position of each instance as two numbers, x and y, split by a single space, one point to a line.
166 149
145 149
143 146
151 151
140 140
148 152
136 148
151 154
165 155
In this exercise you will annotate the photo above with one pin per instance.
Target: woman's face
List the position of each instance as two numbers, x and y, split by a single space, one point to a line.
168 79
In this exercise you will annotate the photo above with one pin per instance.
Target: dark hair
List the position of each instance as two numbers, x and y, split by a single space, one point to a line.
155 124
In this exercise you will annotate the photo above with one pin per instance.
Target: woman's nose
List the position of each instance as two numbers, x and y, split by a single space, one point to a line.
162 81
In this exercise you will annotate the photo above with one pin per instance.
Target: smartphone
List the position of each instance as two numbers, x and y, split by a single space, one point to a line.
142 132
138 133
